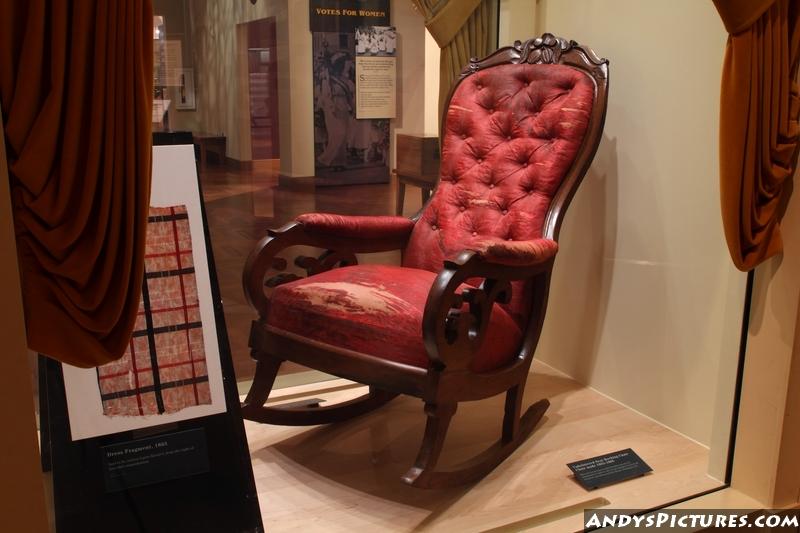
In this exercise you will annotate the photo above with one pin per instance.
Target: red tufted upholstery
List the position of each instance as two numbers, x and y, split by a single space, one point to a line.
377 310
511 134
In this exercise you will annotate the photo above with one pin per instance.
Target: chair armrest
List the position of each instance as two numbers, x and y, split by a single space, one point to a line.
338 235
516 253
358 227
455 321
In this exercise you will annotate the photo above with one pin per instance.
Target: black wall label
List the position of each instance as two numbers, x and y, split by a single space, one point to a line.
154 459
609 468
344 16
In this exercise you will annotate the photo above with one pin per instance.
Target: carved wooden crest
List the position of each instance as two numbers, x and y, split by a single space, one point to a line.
547 49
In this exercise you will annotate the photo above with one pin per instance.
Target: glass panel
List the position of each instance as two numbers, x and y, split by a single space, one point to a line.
274 110
645 307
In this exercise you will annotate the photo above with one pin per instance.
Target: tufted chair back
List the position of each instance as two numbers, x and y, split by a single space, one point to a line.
511 134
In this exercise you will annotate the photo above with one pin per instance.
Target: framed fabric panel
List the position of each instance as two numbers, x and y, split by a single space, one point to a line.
171 370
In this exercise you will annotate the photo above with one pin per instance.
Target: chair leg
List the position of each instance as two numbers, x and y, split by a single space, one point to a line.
513 410
439 416
516 429
253 407
266 371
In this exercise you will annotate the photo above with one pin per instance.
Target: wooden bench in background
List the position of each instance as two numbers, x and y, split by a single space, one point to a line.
417 165
214 142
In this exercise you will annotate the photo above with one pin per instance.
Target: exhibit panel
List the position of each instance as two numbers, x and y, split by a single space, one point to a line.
155 440
171 370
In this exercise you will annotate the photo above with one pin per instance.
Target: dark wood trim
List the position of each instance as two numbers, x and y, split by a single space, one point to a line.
364 368
455 320
737 398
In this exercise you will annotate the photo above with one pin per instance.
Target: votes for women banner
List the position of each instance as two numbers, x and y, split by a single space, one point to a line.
351 147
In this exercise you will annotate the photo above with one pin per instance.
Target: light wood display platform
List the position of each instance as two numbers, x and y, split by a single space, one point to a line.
346 477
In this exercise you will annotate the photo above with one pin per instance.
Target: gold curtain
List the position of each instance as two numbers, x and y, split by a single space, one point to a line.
76 89
462 29
759 107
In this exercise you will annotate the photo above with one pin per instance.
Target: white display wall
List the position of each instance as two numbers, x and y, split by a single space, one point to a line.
646 306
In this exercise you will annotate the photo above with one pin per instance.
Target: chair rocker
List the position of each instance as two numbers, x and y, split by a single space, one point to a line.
461 318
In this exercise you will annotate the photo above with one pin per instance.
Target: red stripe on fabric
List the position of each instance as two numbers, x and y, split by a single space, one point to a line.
169 365
183 299
168 309
135 378
165 254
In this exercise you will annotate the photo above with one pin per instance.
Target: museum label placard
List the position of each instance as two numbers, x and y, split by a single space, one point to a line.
376 72
609 468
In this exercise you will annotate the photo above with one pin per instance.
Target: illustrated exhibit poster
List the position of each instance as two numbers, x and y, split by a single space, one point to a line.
343 144
376 72
347 149
171 370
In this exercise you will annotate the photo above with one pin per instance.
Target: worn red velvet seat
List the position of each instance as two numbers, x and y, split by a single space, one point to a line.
460 318
377 310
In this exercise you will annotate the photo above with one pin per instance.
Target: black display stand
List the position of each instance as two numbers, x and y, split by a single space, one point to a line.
222 499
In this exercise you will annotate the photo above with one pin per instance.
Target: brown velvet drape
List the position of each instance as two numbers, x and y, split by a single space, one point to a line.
758 123
76 91
462 29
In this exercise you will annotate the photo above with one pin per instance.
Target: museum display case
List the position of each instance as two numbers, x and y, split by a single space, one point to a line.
671 377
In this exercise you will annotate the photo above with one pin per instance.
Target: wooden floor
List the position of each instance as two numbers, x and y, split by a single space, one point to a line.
242 204
345 477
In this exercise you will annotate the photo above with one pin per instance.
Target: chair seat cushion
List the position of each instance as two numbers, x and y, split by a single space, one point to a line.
377 310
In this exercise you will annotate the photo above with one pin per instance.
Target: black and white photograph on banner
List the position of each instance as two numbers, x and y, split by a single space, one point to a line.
376 41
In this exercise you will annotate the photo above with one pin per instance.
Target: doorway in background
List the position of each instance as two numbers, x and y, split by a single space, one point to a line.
263 88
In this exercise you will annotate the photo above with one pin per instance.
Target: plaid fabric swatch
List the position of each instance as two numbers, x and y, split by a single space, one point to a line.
164 369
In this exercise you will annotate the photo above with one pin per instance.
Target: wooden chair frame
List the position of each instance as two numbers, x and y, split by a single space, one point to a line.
451 336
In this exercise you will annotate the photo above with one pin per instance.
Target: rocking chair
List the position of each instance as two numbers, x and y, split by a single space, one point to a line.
461 318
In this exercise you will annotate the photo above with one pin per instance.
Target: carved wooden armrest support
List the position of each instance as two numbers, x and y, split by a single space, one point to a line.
456 320
339 251
264 258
